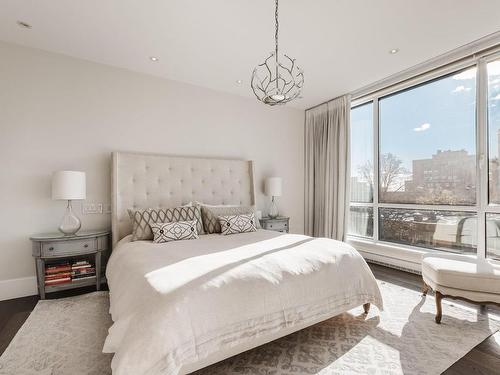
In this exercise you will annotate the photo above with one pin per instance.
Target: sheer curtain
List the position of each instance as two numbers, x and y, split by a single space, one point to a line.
327 169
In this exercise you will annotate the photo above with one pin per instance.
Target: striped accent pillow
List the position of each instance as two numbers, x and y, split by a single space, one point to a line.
142 219
211 214
233 224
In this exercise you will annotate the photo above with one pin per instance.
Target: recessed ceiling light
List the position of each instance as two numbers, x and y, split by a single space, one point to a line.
239 81
394 51
24 24
154 58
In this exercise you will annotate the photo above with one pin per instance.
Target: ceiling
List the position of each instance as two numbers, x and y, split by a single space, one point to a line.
342 45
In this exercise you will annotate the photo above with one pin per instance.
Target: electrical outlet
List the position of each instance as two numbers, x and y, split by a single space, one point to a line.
92 208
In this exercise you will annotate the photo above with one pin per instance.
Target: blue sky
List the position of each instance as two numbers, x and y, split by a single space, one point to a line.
361 136
493 105
437 116
414 124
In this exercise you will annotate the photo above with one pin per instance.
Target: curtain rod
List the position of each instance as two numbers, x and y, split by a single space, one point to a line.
325 102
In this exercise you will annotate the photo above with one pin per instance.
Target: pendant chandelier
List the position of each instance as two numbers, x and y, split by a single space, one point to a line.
277 81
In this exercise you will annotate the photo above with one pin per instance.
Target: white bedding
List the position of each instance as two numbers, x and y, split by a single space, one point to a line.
179 302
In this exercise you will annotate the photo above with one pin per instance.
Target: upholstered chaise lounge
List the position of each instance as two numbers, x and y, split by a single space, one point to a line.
461 277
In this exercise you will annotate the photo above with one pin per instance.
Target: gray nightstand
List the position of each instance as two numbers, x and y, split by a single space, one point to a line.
279 224
57 247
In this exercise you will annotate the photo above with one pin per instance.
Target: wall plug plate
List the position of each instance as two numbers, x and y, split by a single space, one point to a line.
92 208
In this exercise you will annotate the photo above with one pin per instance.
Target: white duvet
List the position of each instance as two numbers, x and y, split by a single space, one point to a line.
179 302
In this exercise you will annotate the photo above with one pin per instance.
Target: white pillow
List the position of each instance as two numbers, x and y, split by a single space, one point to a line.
174 231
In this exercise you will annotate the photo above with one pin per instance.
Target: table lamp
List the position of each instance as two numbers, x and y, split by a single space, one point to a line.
273 189
69 185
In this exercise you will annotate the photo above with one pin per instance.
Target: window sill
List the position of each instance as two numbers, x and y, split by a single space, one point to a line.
398 256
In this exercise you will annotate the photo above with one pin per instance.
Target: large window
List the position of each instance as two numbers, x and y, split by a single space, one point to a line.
443 230
493 102
361 221
418 177
493 69
362 153
361 212
428 143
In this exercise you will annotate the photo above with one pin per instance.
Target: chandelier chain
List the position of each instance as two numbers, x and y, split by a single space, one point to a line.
276 29
276 43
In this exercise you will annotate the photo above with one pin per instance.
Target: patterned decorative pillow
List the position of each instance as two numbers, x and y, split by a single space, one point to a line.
233 224
142 219
210 215
177 230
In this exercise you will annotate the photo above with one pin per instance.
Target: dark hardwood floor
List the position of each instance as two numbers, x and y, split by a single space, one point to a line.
482 360
13 313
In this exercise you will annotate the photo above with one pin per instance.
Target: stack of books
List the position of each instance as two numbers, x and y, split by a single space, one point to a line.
82 270
58 273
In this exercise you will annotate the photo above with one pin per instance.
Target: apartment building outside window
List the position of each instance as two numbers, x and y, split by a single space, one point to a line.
425 165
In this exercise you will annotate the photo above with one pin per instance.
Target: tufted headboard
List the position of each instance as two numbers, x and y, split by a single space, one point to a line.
152 180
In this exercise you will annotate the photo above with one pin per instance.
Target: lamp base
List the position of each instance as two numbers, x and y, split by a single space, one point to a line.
70 223
273 210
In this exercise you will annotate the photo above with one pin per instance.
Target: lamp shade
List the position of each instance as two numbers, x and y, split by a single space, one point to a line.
273 186
68 185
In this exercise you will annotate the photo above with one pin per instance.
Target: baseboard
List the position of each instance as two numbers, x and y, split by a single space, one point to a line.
395 263
393 266
16 288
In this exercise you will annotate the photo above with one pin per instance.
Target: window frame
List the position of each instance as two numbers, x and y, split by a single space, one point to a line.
482 207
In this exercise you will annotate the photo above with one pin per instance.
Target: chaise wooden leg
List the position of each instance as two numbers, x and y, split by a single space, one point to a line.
439 311
425 288
366 307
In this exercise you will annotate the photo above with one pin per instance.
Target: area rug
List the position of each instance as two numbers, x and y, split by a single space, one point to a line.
65 336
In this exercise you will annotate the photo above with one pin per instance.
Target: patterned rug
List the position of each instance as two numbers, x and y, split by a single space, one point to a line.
65 336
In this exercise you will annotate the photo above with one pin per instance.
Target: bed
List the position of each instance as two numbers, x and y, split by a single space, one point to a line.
183 305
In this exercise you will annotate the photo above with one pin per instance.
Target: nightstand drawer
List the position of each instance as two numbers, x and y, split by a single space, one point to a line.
58 248
276 225
279 224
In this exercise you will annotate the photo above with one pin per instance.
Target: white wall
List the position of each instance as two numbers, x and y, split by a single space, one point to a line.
59 113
